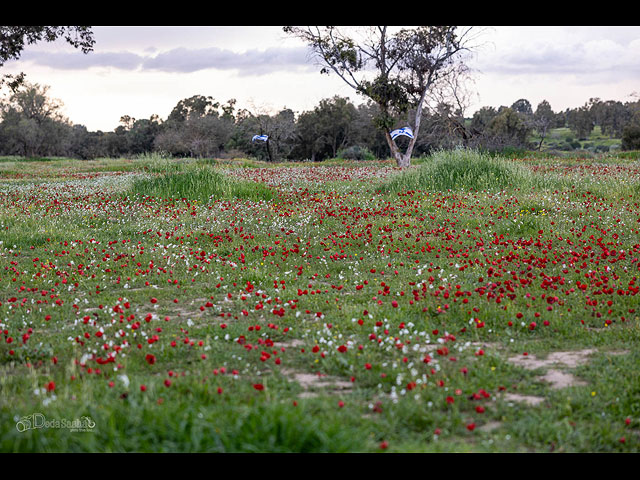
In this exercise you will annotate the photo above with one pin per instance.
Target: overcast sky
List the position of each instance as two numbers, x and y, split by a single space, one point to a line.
141 71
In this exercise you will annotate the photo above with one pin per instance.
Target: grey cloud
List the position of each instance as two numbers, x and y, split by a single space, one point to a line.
181 60
251 62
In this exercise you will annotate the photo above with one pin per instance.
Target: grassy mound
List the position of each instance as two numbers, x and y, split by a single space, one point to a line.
468 170
197 182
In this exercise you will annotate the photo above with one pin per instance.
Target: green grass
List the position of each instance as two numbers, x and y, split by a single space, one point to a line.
459 225
184 423
469 170
196 182
13 158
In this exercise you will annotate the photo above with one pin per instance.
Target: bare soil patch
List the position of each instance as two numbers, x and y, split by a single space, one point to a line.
555 375
569 359
527 399
313 383
490 426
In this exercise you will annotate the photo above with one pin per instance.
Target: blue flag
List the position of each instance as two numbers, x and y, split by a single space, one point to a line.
260 137
406 131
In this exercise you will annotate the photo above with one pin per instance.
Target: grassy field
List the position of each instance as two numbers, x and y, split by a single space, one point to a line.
469 304
563 139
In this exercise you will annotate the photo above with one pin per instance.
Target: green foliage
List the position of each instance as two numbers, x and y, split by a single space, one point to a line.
482 118
631 137
14 38
32 126
581 122
562 140
174 256
628 155
522 106
196 182
356 152
512 152
510 125
404 64
462 169
390 95
325 129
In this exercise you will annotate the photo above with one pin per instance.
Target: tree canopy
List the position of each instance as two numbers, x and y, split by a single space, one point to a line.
396 70
13 40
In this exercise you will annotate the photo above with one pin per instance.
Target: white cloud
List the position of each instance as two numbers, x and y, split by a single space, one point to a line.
80 61
590 58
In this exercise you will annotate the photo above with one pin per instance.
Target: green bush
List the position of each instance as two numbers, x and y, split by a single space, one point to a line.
631 137
356 152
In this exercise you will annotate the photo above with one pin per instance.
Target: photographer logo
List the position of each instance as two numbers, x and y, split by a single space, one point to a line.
38 420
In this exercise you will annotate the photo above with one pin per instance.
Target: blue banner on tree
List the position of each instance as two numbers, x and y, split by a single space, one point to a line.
406 131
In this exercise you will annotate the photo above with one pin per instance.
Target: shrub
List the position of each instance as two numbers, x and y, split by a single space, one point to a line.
356 152
631 137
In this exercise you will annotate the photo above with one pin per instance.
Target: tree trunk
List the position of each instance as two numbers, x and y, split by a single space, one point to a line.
269 151
404 160
395 151
542 137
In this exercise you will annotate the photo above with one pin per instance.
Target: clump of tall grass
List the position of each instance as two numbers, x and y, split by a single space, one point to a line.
159 162
462 169
196 182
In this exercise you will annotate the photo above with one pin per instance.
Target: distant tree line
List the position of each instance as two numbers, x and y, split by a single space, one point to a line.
32 125
515 125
